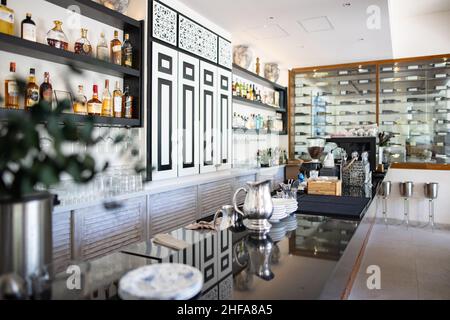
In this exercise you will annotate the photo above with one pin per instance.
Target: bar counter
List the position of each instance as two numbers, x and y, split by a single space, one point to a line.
302 257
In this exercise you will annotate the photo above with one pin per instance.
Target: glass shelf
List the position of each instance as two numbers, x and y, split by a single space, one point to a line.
320 97
417 138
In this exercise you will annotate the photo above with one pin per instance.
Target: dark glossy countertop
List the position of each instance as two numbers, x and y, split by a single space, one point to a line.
293 261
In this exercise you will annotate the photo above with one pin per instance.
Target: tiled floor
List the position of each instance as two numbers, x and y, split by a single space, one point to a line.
414 263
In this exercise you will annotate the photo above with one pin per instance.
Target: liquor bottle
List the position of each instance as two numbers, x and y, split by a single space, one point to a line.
249 92
127 52
80 104
233 88
28 29
107 110
32 95
127 104
244 91
83 46
6 19
94 106
116 49
11 89
102 48
117 101
46 90
57 38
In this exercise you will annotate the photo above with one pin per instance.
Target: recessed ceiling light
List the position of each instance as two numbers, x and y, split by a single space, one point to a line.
346 4
360 39
271 18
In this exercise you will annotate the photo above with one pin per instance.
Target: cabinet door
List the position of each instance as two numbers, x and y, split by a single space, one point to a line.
208 117
188 115
164 112
98 232
224 130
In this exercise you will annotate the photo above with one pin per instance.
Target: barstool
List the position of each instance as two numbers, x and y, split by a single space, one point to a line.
386 188
431 191
406 191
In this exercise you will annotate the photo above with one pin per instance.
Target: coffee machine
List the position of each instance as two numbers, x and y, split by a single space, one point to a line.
316 147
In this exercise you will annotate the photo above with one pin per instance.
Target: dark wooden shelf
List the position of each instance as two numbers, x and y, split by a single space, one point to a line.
99 121
256 78
257 104
44 52
98 12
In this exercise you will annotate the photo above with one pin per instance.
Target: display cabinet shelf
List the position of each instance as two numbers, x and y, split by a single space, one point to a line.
257 104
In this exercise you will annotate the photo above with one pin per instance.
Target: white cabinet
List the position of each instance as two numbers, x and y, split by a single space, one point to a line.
208 117
164 112
224 121
191 109
188 115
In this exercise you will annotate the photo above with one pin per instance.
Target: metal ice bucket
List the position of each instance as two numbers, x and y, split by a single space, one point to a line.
431 190
386 188
406 189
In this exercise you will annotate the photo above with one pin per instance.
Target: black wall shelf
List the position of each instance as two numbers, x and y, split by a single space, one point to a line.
253 77
257 78
257 104
132 77
98 121
100 13
43 52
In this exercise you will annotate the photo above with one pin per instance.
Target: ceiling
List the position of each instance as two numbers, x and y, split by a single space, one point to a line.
299 33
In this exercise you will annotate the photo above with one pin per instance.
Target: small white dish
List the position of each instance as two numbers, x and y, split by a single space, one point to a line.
166 281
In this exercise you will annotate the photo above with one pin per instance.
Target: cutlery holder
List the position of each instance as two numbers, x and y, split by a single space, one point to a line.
357 173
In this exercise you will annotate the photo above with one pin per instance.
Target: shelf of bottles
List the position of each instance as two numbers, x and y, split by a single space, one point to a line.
333 101
267 102
415 106
109 104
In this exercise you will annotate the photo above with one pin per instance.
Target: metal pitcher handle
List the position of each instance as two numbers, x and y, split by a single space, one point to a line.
235 205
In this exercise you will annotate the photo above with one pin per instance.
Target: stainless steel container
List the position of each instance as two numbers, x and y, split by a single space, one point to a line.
406 189
386 188
26 234
431 190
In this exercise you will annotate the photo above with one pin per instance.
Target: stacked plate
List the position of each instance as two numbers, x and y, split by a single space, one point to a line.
290 205
279 212
291 223
277 232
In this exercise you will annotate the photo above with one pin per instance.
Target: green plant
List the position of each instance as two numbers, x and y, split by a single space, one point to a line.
25 165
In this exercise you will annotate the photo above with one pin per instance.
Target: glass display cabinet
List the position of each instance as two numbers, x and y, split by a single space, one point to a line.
332 101
415 106
409 97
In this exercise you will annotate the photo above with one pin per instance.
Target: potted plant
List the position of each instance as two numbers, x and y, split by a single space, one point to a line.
26 168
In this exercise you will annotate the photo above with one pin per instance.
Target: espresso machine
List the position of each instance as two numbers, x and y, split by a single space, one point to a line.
316 147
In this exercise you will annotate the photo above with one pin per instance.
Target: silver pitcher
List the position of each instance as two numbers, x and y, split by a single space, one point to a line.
258 205
26 235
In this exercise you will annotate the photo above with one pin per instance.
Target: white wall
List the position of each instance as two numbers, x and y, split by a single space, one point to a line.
418 32
418 204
